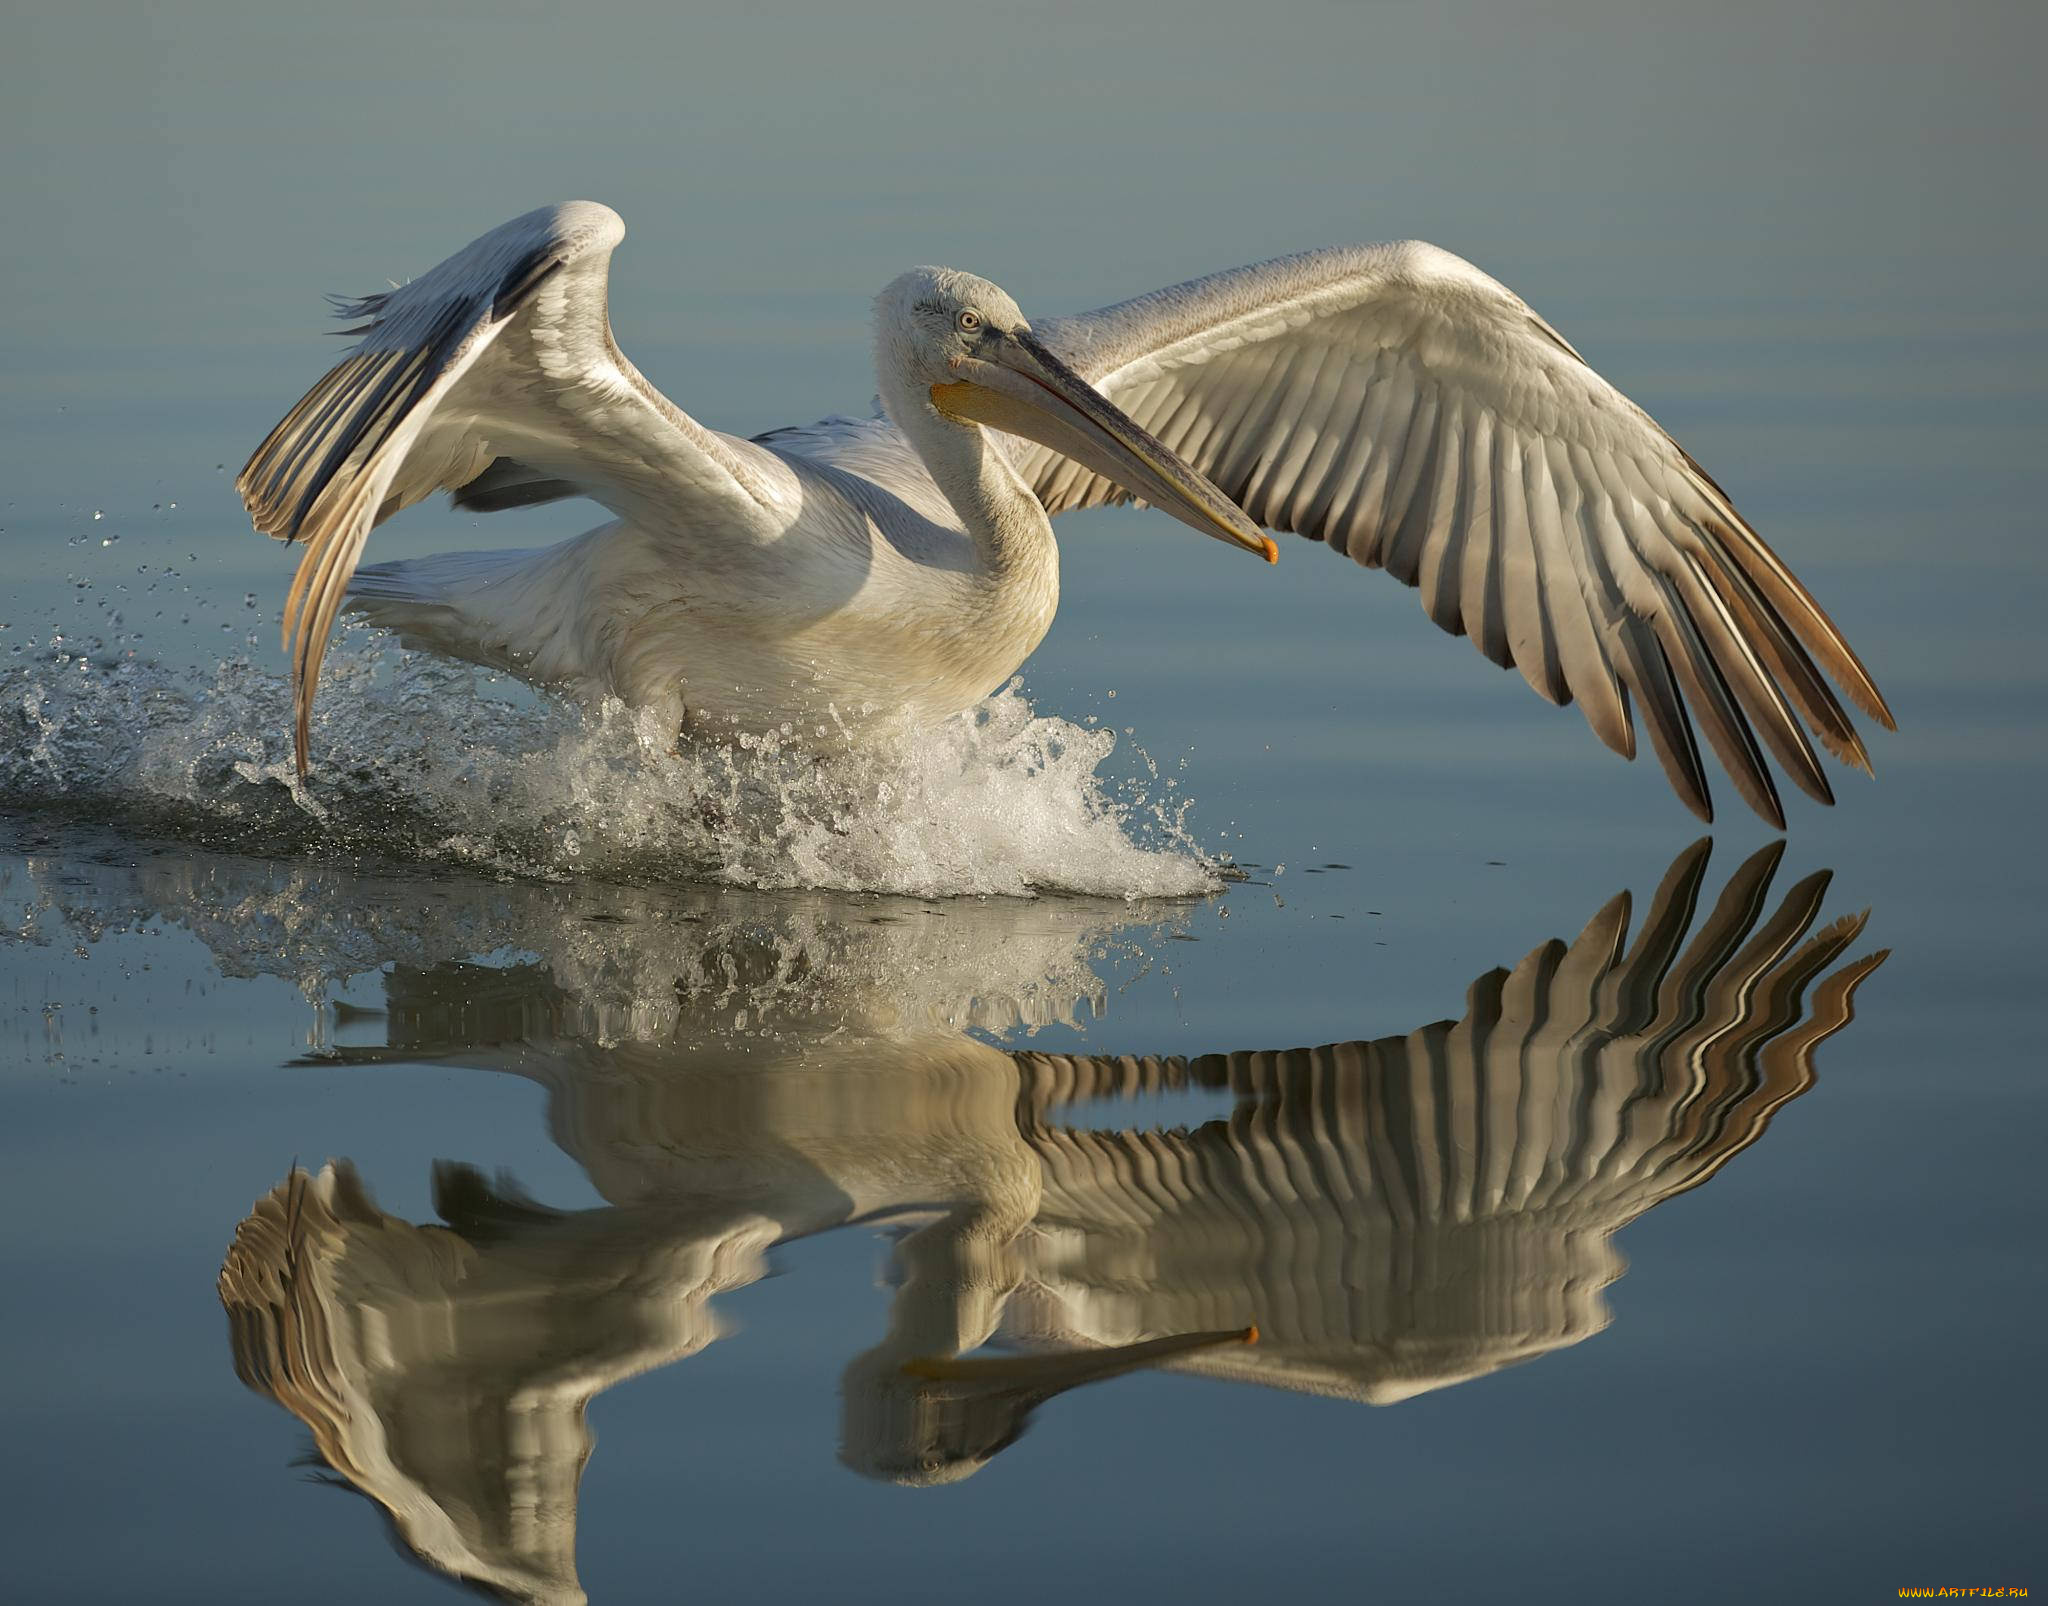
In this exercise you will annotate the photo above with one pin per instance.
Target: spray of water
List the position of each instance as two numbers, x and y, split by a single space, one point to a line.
421 761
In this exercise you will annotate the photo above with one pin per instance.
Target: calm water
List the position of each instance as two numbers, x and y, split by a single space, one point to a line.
445 1149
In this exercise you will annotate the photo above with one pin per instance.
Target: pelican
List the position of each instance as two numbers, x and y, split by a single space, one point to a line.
840 580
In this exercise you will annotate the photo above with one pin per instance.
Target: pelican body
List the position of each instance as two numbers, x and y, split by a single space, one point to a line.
838 581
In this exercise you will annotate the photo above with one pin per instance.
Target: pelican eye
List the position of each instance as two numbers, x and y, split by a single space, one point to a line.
969 321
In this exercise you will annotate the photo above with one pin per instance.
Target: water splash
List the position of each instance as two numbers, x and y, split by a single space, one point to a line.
428 762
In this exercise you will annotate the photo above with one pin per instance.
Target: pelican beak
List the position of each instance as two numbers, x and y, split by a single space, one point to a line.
1056 1373
1016 385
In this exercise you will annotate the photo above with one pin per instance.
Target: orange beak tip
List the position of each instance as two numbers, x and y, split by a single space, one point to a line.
1272 556
1251 1334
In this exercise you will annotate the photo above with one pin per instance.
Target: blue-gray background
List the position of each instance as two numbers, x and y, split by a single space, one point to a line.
1808 238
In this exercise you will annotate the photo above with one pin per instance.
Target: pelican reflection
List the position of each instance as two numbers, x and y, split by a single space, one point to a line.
1390 1216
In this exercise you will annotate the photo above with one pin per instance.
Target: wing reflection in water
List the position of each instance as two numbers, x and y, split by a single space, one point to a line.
1405 1214
1391 1216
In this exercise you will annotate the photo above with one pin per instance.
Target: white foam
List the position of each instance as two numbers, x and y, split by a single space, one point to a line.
424 761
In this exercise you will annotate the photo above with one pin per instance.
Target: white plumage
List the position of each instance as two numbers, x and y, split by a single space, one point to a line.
842 578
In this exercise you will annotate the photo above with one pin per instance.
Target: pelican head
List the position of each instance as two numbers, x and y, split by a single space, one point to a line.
967 346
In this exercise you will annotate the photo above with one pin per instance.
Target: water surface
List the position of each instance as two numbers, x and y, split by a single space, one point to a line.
636 1182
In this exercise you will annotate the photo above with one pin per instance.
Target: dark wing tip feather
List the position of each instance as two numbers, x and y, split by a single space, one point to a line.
1646 671
1820 634
1794 671
320 474
369 306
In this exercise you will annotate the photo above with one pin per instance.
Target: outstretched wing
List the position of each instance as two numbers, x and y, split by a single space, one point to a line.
1398 404
504 351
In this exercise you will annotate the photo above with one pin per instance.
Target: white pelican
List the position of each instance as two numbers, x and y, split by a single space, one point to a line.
1391 401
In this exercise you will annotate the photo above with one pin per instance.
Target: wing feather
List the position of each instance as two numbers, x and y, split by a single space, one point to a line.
1751 683
1360 495
1399 405
1443 531
1786 659
508 483
501 354
1285 432
1284 482
1582 604
1708 696
1405 521
1531 635
1345 396
1647 679
1479 588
